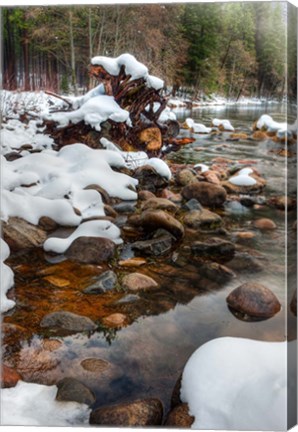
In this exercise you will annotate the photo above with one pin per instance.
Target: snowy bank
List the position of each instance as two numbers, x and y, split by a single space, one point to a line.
235 384
7 278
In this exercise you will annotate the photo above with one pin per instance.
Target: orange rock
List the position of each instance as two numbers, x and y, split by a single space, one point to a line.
115 320
245 235
9 377
211 177
239 136
259 135
265 224
152 138
132 262
57 281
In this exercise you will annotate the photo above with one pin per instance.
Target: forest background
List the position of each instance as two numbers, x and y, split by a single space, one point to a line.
232 49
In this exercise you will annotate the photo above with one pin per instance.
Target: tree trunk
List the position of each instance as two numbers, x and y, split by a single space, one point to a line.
72 55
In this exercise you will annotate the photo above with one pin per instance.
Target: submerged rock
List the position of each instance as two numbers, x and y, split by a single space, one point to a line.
91 250
68 321
243 261
95 365
254 300
204 219
179 417
215 272
138 281
70 389
105 282
214 247
146 412
156 246
208 194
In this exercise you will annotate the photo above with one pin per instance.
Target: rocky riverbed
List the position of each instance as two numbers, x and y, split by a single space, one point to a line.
113 325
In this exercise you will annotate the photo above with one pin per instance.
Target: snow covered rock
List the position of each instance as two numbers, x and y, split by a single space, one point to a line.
7 278
223 125
197 127
236 384
30 404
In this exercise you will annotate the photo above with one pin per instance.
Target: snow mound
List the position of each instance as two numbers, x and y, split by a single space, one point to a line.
266 122
243 178
197 127
99 228
94 111
203 168
30 404
225 124
236 384
132 66
7 278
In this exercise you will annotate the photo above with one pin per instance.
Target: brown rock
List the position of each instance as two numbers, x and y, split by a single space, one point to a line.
259 136
20 234
160 204
70 389
152 220
95 365
293 304
57 281
211 177
91 250
265 224
9 377
179 417
239 136
167 194
138 281
202 219
254 300
146 412
214 247
105 196
145 195
282 202
132 262
67 321
115 320
184 177
151 138
207 194
47 224
244 235
149 179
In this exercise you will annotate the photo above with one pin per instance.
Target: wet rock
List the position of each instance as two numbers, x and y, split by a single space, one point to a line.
9 377
293 304
146 412
115 320
215 272
204 219
152 220
57 281
193 204
104 194
160 204
254 300
211 177
132 262
214 247
20 234
70 389
129 298
244 235
282 202
109 211
149 179
125 207
138 281
91 250
144 195
156 246
179 417
95 365
67 321
265 224
175 398
259 136
175 197
47 224
105 282
207 194
248 201
239 136
243 261
184 177
236 208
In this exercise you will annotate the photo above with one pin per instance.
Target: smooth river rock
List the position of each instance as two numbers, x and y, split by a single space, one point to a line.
70 389
105 282
254 300
138 281
204 219
152 220
208 194
146 412
157 246
160 204
67 321
20 234
265 224
91 250
214 247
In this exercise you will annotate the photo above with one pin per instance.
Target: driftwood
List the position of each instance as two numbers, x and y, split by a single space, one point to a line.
145 133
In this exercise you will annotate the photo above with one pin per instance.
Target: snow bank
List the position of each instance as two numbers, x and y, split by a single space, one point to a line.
97 228
94 111
282 130
225 124
30 404
132 66
236 384
7 278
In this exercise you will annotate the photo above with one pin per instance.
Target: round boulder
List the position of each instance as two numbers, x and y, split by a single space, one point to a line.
138 281
254 300
146 412
208 194
91 250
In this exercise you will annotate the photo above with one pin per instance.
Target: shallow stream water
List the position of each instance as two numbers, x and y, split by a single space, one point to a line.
166 325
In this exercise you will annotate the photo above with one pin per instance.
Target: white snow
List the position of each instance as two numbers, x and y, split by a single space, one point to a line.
242 180
197 127
7 278
245 171
225 124
237 384
160 167
78 101
113 65
94 111
267 122
30 404
96 228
